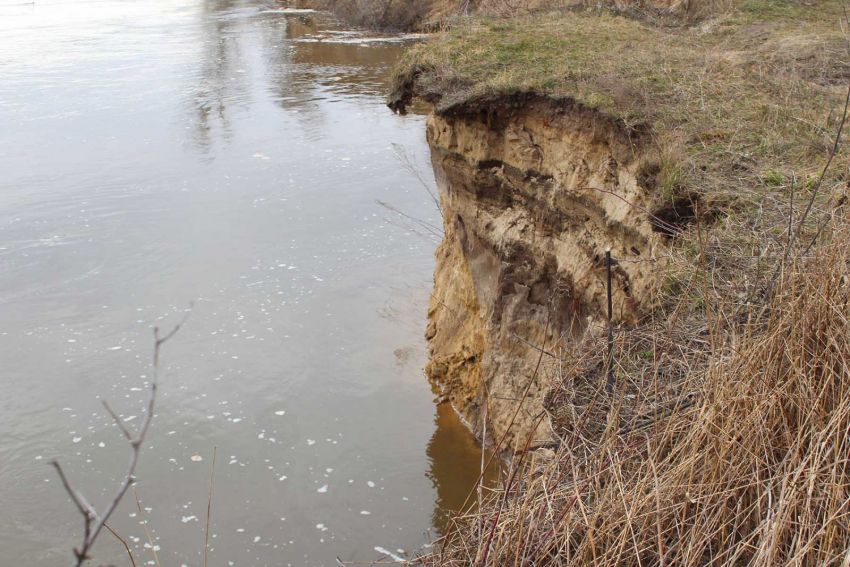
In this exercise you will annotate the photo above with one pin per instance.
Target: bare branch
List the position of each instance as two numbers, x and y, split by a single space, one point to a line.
413 169
160 341
434 230
118 421
94 522
661 223
84 508
826 167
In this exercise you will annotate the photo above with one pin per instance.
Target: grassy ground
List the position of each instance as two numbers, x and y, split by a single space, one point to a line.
761 84
726 440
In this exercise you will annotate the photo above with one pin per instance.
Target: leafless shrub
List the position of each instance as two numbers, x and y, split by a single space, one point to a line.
94 521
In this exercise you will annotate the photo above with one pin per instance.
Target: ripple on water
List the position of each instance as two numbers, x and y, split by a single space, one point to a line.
234 154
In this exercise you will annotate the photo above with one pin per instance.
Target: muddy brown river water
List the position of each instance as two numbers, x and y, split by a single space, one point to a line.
235 155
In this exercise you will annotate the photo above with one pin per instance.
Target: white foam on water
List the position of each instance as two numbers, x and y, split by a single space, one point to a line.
390 554
288 11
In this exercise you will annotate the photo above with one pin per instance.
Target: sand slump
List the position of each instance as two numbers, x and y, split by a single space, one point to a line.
533 191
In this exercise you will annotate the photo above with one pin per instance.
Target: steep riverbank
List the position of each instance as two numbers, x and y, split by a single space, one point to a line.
556 139
534 191
686 151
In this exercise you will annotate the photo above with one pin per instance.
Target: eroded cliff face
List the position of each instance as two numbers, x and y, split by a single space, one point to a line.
533 192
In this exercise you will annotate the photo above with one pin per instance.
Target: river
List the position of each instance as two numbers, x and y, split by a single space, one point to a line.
238 157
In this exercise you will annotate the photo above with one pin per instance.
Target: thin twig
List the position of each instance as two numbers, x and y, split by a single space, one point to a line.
123 542
434 230
209 507
118 422
145 527
412 168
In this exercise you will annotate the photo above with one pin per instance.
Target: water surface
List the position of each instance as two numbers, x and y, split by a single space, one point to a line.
235 155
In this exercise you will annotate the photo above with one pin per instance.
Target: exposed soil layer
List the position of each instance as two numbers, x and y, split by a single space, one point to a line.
534 191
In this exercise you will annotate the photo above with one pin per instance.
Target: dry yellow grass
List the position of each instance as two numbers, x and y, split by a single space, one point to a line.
435 14
727 441
746 463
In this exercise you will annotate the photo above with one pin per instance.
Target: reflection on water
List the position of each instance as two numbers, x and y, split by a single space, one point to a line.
456 464
214 86
232 153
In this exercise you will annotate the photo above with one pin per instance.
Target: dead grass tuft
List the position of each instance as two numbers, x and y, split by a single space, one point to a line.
726 442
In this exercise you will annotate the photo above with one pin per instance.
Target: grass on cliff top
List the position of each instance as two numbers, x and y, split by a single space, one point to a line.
752 95
629 68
